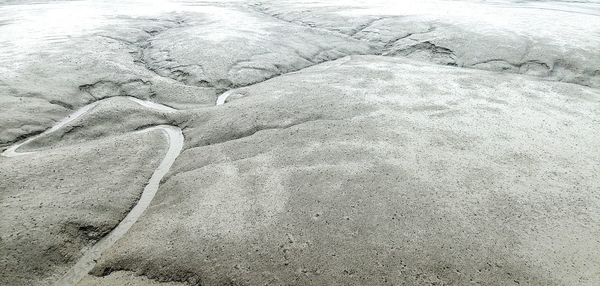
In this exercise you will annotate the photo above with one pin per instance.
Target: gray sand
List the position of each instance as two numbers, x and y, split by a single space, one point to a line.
335 142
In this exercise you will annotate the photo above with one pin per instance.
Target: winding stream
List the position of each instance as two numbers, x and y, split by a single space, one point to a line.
223 97
91 255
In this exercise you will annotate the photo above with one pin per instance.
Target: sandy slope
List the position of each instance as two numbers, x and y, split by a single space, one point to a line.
361 172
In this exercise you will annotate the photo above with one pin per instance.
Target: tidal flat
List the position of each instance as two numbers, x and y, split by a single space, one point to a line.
279 142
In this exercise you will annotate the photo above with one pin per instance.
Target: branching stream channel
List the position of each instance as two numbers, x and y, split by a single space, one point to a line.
175 138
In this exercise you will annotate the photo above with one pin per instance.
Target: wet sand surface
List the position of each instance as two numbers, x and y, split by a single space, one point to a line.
300 142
